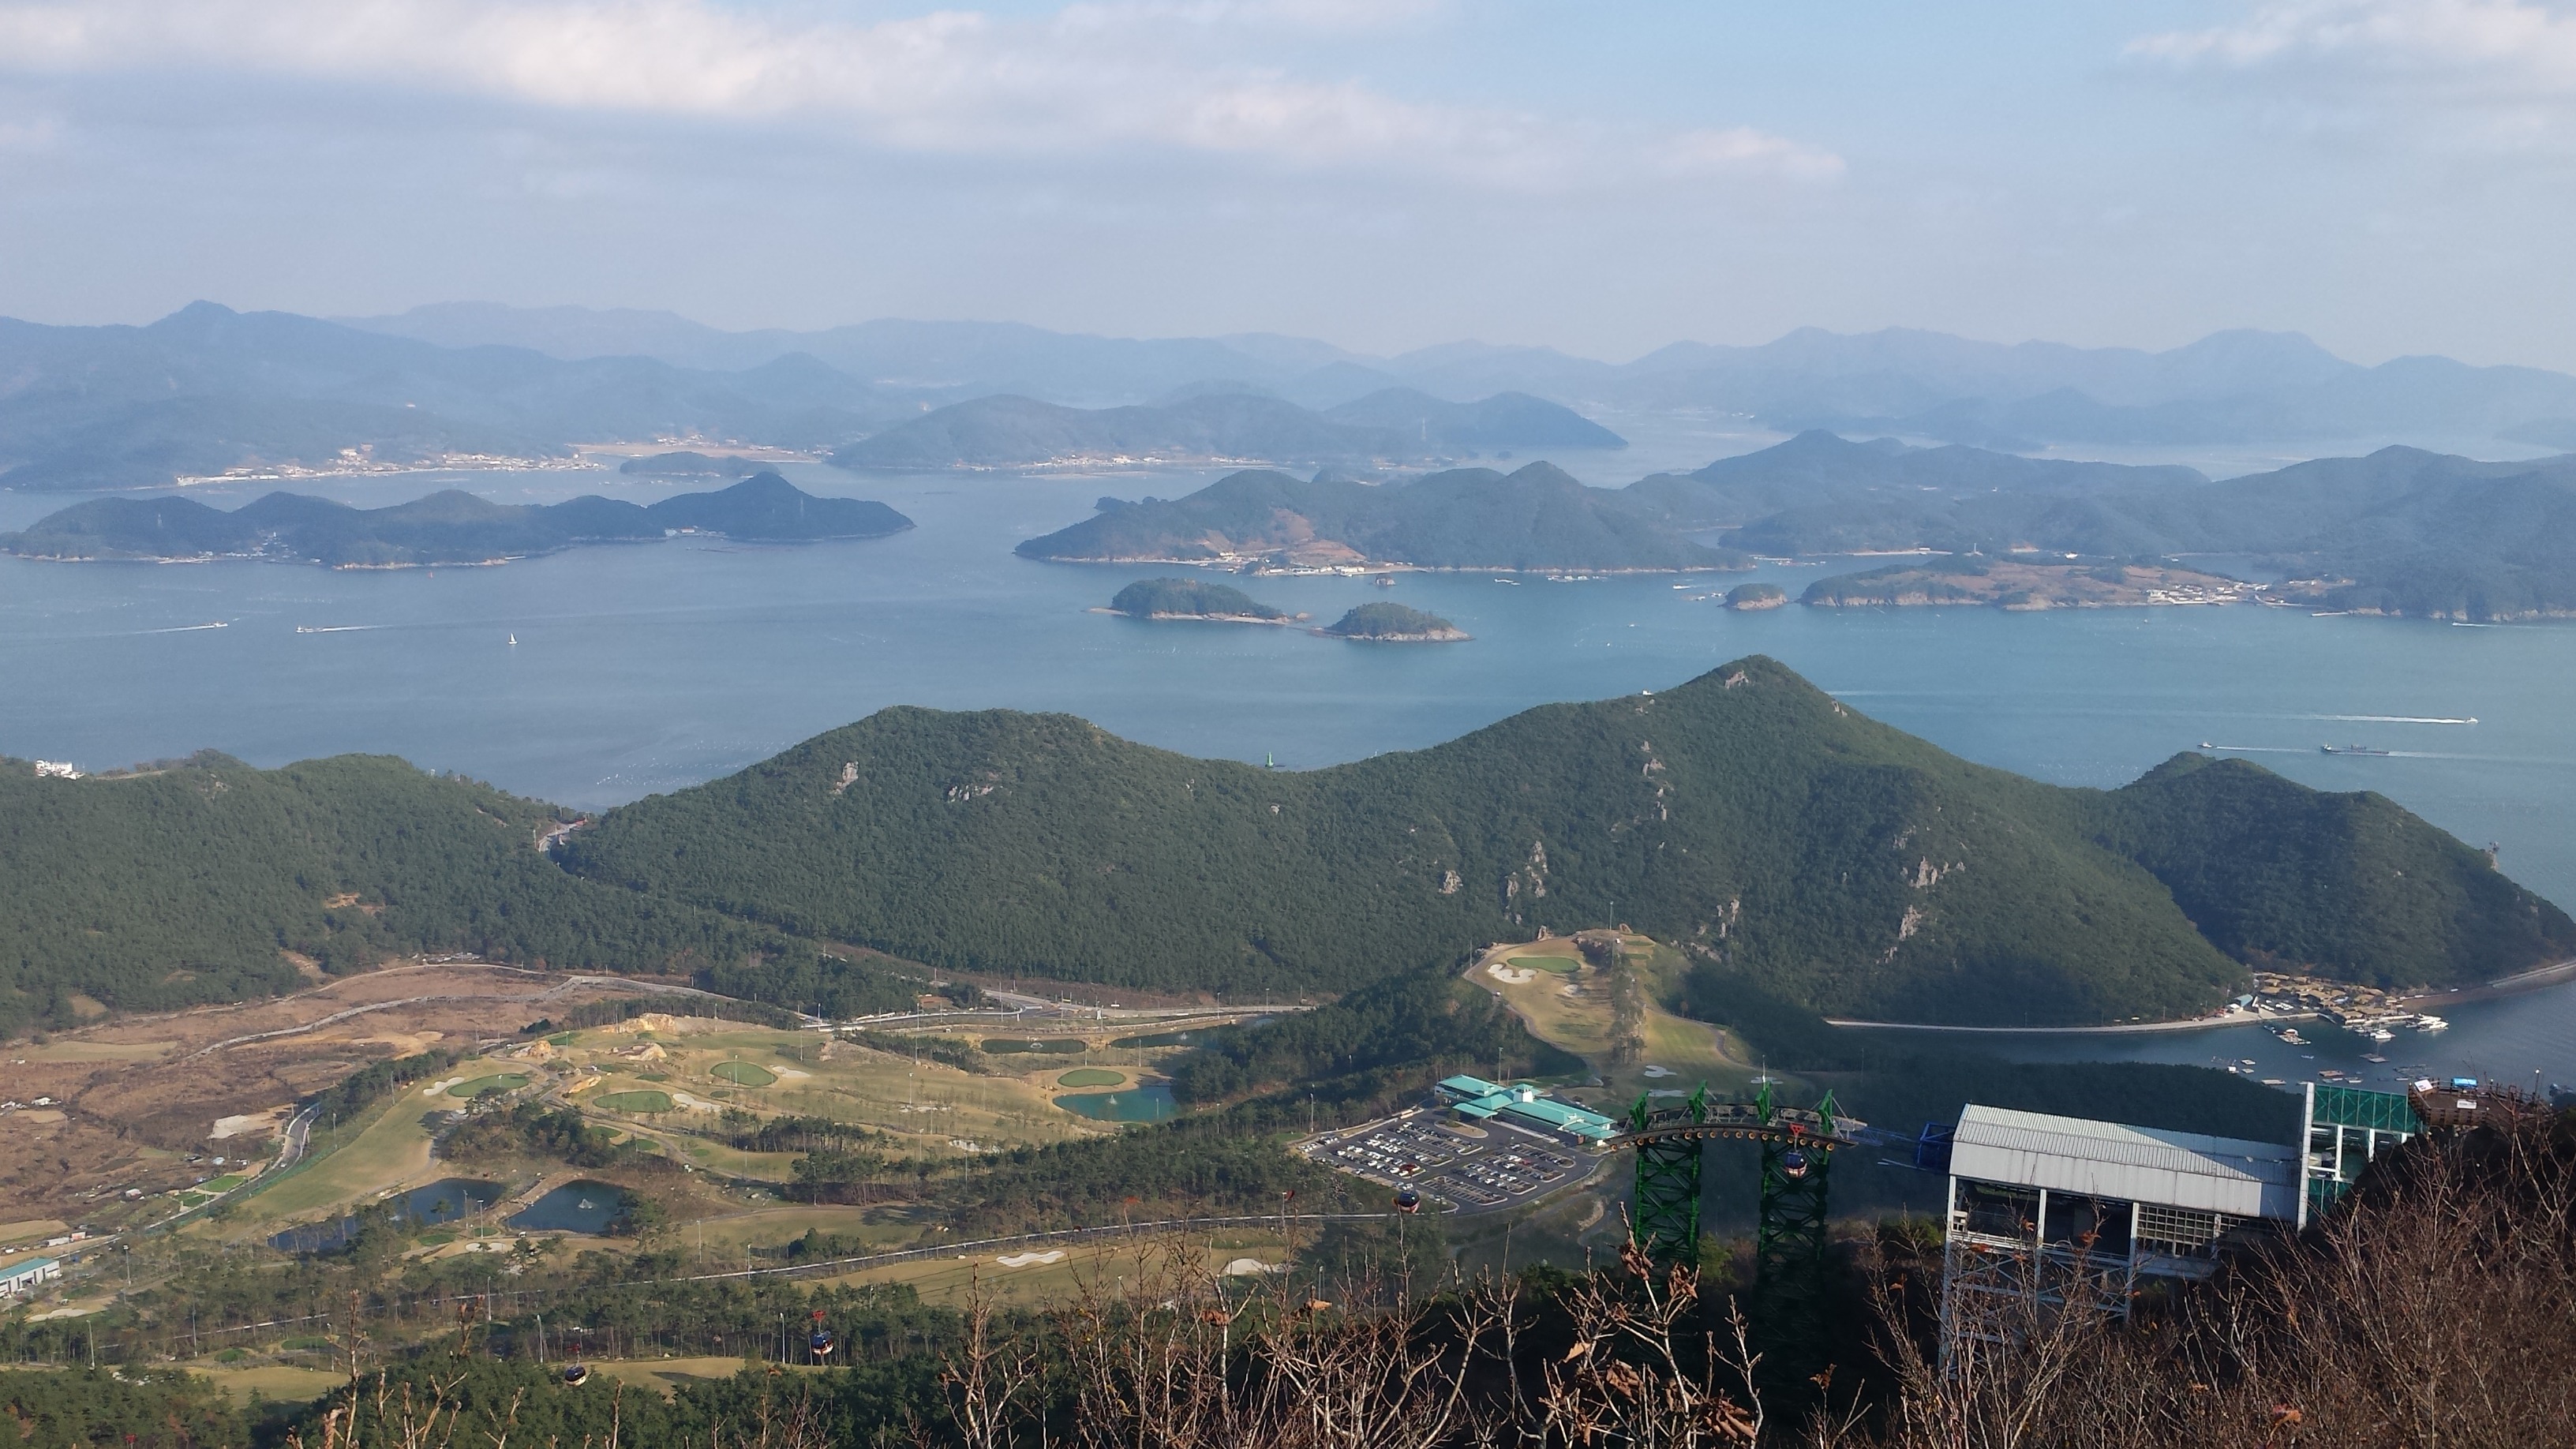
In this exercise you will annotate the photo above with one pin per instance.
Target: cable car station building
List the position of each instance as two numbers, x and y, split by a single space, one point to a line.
2047 1210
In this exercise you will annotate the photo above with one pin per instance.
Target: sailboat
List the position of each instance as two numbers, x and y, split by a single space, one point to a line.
514 641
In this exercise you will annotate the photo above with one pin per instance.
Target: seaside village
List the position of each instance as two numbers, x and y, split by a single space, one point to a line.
2362 1010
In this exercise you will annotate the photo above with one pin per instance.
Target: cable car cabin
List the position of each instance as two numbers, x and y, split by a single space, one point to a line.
1408 1201
575 1374
820 1341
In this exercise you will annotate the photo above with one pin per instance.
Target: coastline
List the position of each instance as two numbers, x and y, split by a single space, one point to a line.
2534 979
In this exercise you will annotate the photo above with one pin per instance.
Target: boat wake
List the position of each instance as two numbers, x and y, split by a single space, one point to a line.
334 628
2393 719
190 628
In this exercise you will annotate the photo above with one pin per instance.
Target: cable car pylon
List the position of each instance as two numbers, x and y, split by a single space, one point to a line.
1797 1161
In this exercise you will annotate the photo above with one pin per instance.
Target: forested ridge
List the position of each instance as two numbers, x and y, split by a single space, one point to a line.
190 883
1747 816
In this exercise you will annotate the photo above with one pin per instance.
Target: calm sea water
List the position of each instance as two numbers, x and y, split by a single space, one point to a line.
643 668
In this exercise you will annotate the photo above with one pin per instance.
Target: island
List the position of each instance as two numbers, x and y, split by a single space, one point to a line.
1395 624
1195 599
1750 597
1537 518
449 527
2018 584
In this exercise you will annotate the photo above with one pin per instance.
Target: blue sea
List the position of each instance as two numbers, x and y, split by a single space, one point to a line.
643 668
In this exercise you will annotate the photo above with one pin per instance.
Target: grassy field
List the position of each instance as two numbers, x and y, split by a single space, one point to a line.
664 1375
390 1149
1036 1277
770 1227
481 1086
1092 1077
35 1229
283 1382
1569 1004
792 1073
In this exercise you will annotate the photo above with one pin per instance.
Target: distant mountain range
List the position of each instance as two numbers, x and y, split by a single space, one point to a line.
1393 426
447 527
2229 388
1465 518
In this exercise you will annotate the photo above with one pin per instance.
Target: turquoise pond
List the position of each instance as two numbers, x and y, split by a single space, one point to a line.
1151 1102
443 1201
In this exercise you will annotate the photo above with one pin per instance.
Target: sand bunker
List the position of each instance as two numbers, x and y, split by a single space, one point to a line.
1029 1260
1510 975
250 1124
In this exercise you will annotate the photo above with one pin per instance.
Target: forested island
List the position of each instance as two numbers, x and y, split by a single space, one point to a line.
1194 599
1535 518
1394 624
2401 531
450 527
1750 598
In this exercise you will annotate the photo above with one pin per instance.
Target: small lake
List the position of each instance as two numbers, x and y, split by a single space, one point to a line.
575 1207
1151 1102
443 1201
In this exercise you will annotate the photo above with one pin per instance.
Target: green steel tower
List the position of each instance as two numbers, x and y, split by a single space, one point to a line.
1790 1277
1665 1216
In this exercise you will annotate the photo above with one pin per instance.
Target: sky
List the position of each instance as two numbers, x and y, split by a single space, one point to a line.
1605 176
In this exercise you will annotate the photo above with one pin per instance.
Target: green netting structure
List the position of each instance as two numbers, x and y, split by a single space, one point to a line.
1664 1215
1790 1268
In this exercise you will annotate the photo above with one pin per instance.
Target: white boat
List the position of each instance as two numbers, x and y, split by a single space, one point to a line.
2431 1023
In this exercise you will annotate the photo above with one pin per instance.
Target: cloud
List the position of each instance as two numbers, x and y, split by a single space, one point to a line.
2498 71
1155 74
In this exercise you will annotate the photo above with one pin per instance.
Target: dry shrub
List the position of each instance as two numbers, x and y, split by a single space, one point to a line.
2437 1310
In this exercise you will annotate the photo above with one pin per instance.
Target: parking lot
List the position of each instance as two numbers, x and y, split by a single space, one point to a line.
1469 1169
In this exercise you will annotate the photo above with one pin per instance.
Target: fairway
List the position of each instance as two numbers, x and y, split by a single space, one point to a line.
634 1102
391 1150
482 1086
1091 1077
1003 1045
744 1074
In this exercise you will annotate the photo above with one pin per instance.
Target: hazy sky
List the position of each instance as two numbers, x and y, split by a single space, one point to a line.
2389 176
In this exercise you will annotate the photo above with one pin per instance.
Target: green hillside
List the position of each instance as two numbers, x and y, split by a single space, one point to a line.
187 884
1847 866
1393 621
2273 871
1189 598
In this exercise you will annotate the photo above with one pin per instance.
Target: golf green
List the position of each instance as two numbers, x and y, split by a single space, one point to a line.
634 1102
1091 1077
744 1074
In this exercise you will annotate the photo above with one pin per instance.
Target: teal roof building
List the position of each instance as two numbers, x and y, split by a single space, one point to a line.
1522 1105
